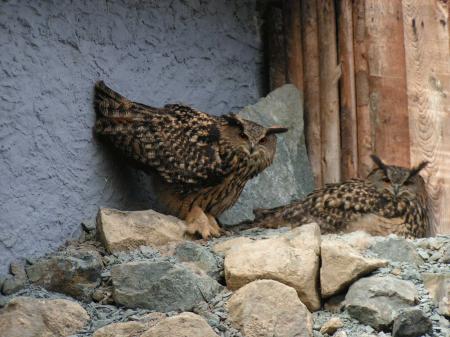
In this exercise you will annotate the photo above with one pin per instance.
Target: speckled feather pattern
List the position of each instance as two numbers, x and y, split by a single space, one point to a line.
337 205
184 146
179 142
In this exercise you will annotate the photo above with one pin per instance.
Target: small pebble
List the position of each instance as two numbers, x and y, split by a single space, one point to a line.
331 326
423 254
396 271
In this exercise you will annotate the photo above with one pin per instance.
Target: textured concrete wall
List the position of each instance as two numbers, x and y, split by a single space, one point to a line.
53 174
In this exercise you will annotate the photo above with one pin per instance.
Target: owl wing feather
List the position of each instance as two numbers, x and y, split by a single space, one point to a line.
332 206
180 143
342 202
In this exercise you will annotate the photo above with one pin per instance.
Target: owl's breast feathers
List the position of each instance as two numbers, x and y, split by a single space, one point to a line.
182 144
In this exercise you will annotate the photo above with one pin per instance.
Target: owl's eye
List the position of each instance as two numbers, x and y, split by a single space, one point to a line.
263 140
386 180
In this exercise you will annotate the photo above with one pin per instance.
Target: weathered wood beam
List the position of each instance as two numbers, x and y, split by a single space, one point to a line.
310 43
293 38
364 119
427 49
349 130
387 80
329 92
276 47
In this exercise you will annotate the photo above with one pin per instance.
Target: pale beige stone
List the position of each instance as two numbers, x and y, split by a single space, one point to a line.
123 231
291 258
124 329
267 308
341 334
331 326
438 285
152 318
225 246
132 328
30 317
359 240
342 265
185 324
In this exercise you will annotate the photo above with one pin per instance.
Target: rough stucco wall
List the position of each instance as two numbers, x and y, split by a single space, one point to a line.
53 174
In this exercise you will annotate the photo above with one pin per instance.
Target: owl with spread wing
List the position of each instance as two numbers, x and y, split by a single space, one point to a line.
201 162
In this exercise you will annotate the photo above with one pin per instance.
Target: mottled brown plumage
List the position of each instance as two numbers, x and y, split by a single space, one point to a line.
203 161
392 197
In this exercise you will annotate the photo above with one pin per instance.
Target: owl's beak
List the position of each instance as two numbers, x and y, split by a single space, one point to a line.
276 129
396 190
252 148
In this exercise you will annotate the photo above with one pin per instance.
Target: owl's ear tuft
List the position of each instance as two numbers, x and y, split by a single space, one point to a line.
234 119
276 129
378 162
416 169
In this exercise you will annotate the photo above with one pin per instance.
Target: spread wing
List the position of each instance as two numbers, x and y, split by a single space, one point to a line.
180 143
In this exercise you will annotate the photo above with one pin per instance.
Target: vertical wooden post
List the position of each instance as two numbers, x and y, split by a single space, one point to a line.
293 36
427 49
387 80
276 46
349 131
329 94
310 37
365 130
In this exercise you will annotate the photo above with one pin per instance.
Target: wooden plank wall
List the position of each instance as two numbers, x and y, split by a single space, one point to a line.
428 86
376 79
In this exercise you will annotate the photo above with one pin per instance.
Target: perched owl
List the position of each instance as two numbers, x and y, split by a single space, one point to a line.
392 197
202 161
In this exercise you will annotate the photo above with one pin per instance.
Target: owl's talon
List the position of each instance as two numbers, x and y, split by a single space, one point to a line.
200 223
216 231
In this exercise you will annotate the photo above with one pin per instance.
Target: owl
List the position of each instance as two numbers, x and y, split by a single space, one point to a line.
201 162
391 199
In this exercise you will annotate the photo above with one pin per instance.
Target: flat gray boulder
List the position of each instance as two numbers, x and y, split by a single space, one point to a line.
195 255
397 250
376 301
75 273
290 176
161 286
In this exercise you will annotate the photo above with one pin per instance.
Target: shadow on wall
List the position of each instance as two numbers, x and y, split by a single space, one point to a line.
53 174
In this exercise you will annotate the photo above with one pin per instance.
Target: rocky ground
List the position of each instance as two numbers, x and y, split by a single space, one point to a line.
134 274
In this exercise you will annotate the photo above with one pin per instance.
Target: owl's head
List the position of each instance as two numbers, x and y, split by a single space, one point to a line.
398 181
250 138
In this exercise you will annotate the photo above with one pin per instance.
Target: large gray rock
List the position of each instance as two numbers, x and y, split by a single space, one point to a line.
199 256
376 301
411 323
16 280
75 273
397 250
290 176
161 286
